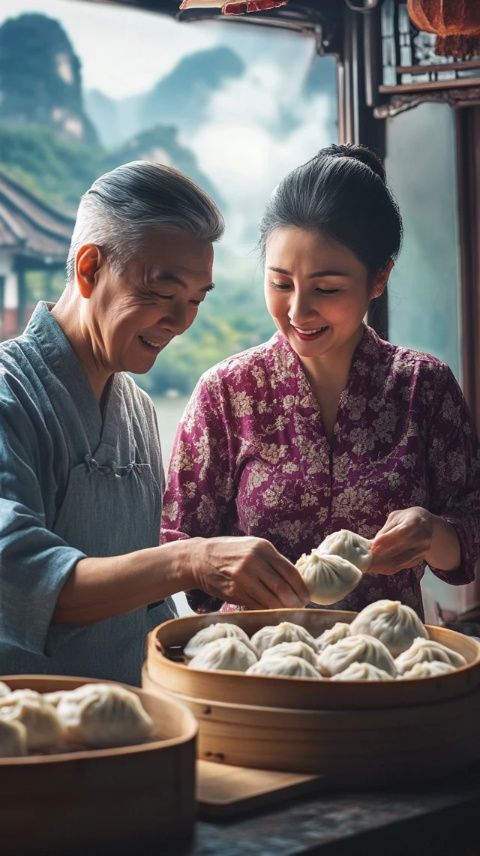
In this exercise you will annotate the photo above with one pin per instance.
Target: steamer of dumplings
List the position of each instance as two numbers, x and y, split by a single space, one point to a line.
386 641
93 716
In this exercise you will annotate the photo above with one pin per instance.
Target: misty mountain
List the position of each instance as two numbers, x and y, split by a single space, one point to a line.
181 98
161 144
40 78
103 112
116 120
47 140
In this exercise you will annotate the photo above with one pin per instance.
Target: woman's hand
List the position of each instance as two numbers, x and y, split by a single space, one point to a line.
413 535
246 571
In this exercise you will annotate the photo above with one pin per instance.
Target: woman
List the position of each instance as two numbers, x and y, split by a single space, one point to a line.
327 426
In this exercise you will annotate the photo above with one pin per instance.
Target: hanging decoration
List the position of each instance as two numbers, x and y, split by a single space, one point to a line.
455 22
233 7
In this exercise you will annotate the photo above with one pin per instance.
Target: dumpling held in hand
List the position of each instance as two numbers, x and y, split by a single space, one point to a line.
350 546
327 578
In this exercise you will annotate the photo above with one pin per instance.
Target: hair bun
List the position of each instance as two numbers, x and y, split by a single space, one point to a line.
359 153
328 194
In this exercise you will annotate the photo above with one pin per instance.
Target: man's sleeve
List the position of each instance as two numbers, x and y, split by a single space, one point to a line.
34 562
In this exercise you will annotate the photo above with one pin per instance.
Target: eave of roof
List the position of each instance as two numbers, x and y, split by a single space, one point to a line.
299 15
28 226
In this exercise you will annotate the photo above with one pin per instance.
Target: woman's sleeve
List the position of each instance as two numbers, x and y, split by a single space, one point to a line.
34 562
199 496
454 470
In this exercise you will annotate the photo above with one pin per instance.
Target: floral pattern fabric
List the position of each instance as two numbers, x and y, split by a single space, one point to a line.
251 457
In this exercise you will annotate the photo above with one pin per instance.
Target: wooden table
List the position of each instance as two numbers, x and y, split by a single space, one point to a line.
442 820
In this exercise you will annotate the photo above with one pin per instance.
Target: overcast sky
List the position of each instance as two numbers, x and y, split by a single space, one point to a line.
123 50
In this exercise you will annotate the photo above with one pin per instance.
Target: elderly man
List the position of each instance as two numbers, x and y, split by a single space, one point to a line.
82 578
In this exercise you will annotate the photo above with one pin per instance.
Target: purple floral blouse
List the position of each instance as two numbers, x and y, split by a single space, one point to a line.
251 457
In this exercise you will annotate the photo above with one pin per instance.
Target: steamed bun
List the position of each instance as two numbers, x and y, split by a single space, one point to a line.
333 634
221 630
354 548
355 649
327 578
283 665
102 715
428 669
230 654
295 649
39 718
362 672
286 631
13 738
394 623
427 650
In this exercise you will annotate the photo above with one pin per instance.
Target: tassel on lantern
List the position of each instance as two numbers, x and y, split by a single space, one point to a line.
460 47
455 22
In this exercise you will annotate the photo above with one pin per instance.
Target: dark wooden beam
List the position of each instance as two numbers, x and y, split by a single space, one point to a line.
359 79
468 171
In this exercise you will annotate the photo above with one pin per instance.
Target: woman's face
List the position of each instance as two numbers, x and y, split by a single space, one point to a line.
317 291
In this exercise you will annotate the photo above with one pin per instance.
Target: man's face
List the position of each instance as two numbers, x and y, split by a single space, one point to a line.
135 314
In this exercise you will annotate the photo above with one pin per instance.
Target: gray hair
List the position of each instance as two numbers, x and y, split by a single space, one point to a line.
123 205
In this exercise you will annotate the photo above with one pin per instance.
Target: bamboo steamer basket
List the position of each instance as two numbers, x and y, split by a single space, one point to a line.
355 733
112 799
168 639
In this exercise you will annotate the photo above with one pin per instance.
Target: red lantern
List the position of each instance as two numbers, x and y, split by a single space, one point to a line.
456 23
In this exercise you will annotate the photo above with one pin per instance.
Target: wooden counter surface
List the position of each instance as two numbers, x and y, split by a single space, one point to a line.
442 820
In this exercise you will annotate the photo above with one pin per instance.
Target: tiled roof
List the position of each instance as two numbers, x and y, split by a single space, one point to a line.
30 227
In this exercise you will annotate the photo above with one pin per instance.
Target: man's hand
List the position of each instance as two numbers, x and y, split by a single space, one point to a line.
246 571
